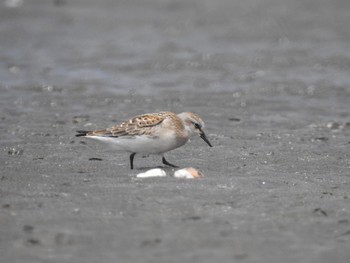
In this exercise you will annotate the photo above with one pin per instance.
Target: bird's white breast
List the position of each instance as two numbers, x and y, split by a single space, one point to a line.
144 143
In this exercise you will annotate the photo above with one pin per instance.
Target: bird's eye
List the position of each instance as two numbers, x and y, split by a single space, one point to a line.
197 126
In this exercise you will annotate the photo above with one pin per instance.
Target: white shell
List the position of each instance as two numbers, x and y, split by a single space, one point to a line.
188 173
152 173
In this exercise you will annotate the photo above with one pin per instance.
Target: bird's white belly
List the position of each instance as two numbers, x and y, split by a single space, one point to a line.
143 144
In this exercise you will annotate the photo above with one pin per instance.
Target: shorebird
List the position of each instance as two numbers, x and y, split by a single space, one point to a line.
153 133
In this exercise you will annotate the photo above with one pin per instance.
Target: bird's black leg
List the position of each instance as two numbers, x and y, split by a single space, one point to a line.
132 160
167 163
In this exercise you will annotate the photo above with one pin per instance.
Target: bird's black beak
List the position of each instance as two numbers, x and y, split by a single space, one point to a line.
204 137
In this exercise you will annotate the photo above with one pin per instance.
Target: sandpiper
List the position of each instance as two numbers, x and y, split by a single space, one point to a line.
153 133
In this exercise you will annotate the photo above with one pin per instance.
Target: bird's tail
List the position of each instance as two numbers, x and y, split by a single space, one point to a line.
81 133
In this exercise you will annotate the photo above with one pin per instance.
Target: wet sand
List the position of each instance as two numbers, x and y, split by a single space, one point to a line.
270 79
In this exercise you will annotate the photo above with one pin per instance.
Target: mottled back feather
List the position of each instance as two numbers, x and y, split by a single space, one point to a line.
132 126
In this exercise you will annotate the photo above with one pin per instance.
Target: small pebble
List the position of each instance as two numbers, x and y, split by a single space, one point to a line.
152 173
15 151
188 173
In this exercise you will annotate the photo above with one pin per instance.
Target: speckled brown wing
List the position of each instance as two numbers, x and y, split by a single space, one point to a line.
139 125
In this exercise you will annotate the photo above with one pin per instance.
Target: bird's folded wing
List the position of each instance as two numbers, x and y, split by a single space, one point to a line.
140 125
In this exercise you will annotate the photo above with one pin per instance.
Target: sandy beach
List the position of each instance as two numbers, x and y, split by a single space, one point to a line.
269 78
